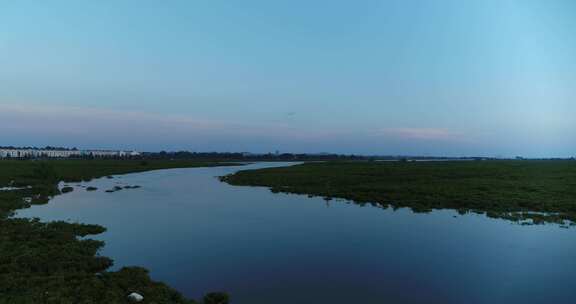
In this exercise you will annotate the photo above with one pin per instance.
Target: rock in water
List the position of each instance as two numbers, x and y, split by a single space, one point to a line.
135 297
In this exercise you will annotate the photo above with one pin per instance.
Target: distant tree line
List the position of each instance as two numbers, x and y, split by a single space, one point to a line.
238 156
243 156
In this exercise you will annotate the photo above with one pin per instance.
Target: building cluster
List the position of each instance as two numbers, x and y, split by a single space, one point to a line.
63 153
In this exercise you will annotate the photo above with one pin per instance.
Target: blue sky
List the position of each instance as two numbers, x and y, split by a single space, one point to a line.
444 77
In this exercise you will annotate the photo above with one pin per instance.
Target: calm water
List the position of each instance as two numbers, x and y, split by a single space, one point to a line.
198 235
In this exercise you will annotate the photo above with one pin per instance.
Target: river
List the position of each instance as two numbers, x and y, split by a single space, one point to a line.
198 234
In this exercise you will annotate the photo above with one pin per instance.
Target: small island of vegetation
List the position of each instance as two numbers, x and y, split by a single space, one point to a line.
67 189
527 191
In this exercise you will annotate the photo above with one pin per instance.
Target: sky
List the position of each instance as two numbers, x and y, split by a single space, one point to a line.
387 77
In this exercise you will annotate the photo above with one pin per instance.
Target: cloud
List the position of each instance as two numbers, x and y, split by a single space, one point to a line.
106 128
101 115
96 123
427 134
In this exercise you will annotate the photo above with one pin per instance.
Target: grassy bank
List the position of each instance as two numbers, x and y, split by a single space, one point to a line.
47 262
513 190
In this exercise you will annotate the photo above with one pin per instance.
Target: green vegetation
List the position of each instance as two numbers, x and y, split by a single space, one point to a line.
49 262
525 191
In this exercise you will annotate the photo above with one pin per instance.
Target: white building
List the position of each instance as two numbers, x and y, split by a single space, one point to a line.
54 153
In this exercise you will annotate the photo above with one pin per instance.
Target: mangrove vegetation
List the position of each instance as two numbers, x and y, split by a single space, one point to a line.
53 262
526 191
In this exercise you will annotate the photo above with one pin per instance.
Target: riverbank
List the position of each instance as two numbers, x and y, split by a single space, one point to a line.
48 262
529 192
